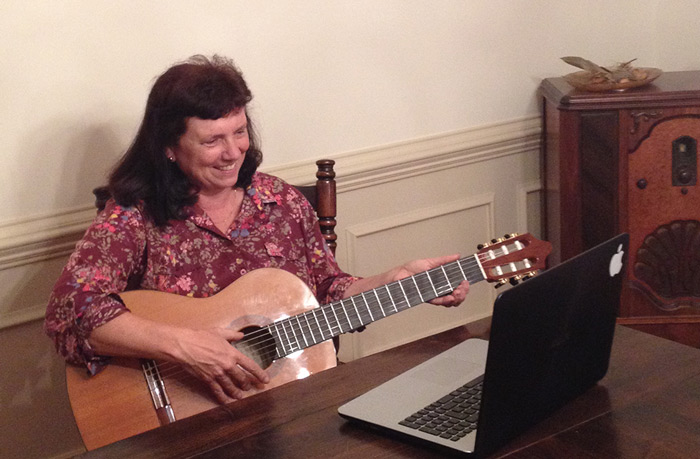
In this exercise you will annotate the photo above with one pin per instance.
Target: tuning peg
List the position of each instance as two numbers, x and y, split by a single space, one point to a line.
484 245
500 283
510 235
514 280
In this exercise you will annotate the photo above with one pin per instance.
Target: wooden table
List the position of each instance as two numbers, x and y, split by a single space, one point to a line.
648 405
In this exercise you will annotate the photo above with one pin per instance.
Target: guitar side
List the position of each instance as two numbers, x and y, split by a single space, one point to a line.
116 403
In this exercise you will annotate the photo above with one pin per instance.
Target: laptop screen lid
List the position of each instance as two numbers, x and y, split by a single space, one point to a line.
550 341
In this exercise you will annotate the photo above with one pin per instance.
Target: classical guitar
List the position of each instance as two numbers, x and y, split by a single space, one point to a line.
286 332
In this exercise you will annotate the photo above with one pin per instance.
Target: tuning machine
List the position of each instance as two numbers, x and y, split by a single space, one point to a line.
489 244
522 277
496 240
501 283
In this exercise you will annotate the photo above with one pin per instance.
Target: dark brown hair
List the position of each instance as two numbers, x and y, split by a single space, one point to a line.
201 87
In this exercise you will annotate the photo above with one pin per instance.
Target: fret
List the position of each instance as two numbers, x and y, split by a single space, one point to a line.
328 324
482 274
303 335
359 319
289 343
410 290
459 265
319 329
425 287
413 278
379 302
447 279
314 312
364 298
401 294
291 328
345 311
432 285
340 328
308 324
388 292
278 341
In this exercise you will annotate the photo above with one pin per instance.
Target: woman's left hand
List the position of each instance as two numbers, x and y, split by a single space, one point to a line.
416 266
409 269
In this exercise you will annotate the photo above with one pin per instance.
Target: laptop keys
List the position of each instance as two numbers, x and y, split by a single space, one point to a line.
452 416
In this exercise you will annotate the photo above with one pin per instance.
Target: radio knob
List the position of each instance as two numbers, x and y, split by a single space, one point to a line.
684 175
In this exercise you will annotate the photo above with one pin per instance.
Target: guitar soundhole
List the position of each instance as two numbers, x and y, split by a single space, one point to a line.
258 344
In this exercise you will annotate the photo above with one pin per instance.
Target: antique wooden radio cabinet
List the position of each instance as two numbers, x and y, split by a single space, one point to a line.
627 161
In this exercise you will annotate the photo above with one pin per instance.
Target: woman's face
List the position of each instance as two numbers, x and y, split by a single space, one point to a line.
210 152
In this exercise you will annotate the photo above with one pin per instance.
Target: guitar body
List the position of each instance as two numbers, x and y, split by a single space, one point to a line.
116 403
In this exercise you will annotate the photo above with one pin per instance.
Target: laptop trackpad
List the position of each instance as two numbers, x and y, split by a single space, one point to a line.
450 370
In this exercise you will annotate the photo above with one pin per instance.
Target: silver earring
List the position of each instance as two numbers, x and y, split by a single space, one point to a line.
171 158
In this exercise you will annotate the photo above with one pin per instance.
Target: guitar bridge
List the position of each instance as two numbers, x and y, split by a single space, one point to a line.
156 387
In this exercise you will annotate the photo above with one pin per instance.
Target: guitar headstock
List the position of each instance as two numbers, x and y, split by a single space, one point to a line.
513 257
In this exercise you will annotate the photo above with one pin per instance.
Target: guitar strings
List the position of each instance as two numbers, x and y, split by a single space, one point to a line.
263 342
265 337
343 321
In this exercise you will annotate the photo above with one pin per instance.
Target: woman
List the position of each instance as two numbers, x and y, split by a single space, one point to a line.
189 214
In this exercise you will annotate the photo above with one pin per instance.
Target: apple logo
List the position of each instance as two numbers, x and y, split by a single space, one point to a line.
616 262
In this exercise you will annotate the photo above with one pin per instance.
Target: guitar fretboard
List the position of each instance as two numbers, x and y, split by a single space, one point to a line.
333 319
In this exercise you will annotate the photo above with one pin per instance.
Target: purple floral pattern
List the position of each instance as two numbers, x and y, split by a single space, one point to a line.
124 250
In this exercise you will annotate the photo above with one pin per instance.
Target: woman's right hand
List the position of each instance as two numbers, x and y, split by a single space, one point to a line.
209 356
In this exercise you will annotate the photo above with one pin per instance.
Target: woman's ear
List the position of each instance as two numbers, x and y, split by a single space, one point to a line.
170 154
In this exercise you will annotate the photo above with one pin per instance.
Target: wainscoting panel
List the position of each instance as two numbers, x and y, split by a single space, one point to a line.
438 230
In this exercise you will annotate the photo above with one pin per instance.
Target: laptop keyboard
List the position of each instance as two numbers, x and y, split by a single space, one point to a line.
453 416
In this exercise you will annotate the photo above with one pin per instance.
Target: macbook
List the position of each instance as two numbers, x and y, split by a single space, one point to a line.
550 341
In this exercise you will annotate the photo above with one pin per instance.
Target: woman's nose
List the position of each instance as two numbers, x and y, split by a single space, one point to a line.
232 150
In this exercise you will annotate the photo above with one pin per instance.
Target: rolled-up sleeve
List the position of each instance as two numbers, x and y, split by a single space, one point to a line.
86 295
330 281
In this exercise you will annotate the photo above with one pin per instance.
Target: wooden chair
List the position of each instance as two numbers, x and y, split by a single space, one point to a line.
322 199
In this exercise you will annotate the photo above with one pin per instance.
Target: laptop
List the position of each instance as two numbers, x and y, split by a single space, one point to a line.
550 341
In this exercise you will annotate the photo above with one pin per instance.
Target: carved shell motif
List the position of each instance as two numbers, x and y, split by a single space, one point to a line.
668 262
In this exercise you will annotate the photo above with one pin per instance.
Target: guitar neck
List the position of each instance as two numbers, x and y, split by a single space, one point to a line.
333 319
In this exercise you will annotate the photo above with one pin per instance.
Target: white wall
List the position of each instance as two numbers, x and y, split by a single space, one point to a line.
346 79
329 76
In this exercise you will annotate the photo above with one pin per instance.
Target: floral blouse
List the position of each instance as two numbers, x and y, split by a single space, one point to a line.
124 250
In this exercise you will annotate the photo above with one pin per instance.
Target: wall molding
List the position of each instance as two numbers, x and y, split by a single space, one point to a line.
41 238
356 232
398 161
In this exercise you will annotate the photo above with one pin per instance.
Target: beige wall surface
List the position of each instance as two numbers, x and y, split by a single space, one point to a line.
328 76
430 104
